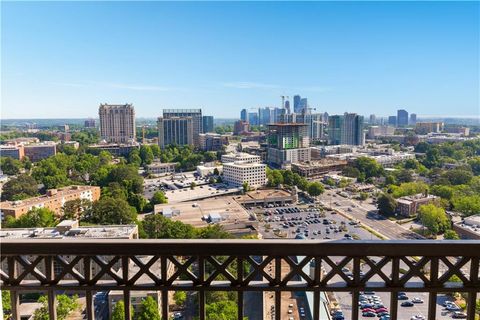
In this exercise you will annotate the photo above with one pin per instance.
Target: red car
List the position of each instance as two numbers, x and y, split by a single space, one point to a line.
381 310
368 310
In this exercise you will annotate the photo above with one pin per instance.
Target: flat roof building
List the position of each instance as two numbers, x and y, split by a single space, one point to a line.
238 173
117 123
241 156
54 199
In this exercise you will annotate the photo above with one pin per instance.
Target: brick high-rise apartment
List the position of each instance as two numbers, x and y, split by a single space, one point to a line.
117 123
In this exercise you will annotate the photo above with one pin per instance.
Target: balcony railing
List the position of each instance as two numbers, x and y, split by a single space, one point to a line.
87 266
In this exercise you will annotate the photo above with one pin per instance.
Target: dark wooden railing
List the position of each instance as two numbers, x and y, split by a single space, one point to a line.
88 266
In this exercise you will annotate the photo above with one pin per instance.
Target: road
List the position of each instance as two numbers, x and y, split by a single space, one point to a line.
366 213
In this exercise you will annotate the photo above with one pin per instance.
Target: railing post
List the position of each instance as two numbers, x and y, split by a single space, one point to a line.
52 304
395 282
163 276
471 305
201 293
127 303
278 293
432 297
15 305
239 283
90 310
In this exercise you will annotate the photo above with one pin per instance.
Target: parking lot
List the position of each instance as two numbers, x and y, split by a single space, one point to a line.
307 222
312 223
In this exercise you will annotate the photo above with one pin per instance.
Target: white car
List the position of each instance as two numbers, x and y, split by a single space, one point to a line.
417 317
417 300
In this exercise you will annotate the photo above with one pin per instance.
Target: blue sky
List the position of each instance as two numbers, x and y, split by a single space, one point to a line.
62 59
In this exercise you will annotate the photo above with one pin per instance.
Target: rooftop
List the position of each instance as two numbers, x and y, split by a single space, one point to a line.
262 194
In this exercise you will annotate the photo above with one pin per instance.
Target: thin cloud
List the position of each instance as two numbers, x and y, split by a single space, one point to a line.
126 86
249 85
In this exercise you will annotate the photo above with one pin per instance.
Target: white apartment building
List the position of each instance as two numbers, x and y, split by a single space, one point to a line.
241 156
237 173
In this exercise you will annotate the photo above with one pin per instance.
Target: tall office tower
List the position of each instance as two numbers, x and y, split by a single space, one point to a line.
287 143
207 124
278 113
296 103
402 118
175 130
373 119
243 115
195 114
90 123
392 121
253 118
303 104
265 115
346 129
413 118
287 106
117 123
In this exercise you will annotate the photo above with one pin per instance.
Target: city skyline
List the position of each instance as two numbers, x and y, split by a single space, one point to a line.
223 57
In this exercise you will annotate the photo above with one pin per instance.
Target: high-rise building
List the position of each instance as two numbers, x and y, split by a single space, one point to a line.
373 119
296 103
287 143
243 115
194 114
413 118
175 130
90 123
117 123
207 124
303 104
346 129
278 113
265 115
392 121
402 118
287 106
253 118
241 127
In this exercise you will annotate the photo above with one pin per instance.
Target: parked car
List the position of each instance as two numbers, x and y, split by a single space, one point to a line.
369 314
417 317
402 297
407 304
417 300
459 315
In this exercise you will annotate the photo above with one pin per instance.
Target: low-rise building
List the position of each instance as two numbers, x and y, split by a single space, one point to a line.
315 169
54 199
115 149
428 127
209 169
282 157
38 151
241 156
468 228
408 206
241 127
212 141
238 173
12 151
160 168
267 197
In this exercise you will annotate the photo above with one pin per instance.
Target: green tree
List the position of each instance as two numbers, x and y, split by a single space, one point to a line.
137 201
411 164
216 172
368 166
351 172
468 205
245 187
450 235
118 311
362 196
148 310
222 310
408 189
19 188
155 150
212 232
458 176
65 305
433 218
180 297
404 176
36 217
110 211
193 185
134 158
386 204
73 208
315 189
146 154
158 198
445 192
6 303
10 166
156 226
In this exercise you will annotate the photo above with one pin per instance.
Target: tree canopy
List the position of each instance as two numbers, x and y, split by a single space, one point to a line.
21 187
37 217
433 218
